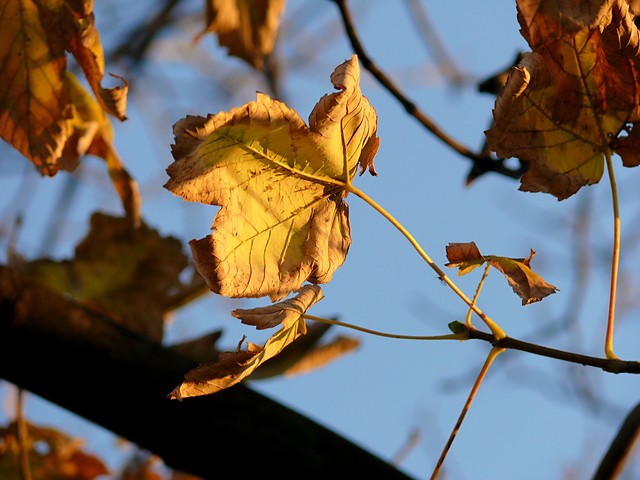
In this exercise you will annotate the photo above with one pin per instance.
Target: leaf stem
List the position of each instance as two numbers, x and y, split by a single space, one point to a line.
477 294
493 353
451 336
615 258
498 333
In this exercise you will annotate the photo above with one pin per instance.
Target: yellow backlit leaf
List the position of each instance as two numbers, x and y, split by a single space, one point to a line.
281 185
566 102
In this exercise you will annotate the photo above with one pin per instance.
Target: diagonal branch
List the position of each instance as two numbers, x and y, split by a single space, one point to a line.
484 162
83 362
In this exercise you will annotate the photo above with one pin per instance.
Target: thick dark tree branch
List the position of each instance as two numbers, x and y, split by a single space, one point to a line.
119 380
481 162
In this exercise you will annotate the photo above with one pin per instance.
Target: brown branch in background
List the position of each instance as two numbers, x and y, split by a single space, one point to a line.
619 450
135 45
427 32
485 163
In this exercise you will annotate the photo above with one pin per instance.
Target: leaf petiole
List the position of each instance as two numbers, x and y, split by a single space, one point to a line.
497 332
615 259
463 335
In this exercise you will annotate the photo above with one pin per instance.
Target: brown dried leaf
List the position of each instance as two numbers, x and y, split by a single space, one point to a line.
123 272
465 256
565 103
527 284
247 28
282 312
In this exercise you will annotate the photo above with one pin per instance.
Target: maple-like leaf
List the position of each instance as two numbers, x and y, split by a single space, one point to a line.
566 102
281 185
35 101
51 454
232 367
123 272
247 28
527 284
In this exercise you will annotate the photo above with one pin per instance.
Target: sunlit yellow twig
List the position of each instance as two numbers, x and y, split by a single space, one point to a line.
451 336
615 260
477 294
497 332
493 353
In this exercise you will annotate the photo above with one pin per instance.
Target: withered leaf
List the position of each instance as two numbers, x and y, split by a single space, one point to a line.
281 185
61 458
527 284
232 367
282 312
35 101
247 28
564 105
123 272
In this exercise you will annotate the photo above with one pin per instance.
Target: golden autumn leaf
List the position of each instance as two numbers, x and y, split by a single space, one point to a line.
566 103
232 367
247 28
51 454
123 272
35 97
527 284
280 184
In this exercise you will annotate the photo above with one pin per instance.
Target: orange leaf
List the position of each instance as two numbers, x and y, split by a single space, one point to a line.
527 284
564 105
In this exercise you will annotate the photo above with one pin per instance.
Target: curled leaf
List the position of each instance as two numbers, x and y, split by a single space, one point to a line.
282 312
527 284
280 184
232 367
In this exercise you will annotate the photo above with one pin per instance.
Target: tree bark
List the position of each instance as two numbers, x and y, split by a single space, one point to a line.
85 363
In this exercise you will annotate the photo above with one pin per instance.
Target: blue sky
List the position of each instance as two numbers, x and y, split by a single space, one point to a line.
527 420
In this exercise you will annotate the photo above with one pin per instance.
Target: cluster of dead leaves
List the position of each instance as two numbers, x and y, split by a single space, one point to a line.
45 112
50 453
575 97
284 221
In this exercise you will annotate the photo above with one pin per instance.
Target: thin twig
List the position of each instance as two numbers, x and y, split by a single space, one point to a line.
23 437
485 162
611 365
